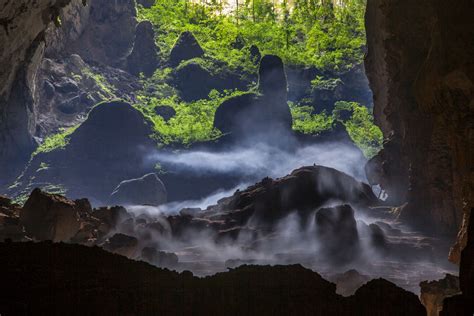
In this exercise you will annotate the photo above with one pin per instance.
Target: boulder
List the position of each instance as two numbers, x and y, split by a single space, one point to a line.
185 48
336 230
165 111
147 190
10 227
159 258
51 216
122 244
144 56
433 293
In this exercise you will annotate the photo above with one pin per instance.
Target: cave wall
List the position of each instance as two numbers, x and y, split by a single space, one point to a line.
421 70
25 24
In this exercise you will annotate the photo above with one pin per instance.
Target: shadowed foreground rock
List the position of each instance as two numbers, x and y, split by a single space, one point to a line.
54 279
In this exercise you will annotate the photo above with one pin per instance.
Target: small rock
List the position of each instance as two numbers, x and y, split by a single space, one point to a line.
165 111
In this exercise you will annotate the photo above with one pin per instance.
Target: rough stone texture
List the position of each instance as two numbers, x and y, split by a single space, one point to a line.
51 217
144 56
147 190
109 33
420 67
78 280
433 293
122 244
185 48
159 258
22 37
305 189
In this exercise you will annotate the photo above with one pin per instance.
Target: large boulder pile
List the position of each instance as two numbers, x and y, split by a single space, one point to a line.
305 189
265 113
144 56
186 47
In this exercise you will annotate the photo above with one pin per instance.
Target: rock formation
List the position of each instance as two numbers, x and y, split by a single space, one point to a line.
185 48
258 115
337 232
433 293
112 142
147 190
144 56
420 68
72 279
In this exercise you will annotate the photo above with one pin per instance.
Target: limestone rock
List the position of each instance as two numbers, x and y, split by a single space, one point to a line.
51 217
146 3
185 48
433 293
336 230
144 56
147 190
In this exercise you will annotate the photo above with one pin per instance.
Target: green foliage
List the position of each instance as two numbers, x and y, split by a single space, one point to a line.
55 141
303 33
361 127
320 83
193 121
306 122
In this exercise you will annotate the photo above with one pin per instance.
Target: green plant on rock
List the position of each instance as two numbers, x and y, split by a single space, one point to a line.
55 141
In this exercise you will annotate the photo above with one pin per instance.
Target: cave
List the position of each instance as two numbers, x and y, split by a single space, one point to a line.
189 157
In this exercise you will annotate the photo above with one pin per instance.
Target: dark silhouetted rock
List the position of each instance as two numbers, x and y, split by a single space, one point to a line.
252 115
336 229
122 244
112 141
385 298
165 111
159 258
377 237
434 292
51 216
147 190
62 276
185 48
144 56
305 190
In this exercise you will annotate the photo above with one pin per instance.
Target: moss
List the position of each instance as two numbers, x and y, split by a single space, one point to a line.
55 141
